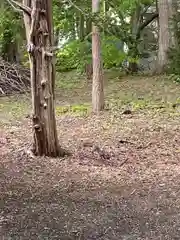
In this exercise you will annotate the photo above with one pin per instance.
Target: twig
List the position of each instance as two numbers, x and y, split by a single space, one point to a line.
123 162
2 91
13 78
12 5
78 8
133 192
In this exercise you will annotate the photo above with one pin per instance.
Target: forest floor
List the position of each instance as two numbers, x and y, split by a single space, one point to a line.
122 179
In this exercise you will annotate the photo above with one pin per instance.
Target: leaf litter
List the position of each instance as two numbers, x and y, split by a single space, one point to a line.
121 181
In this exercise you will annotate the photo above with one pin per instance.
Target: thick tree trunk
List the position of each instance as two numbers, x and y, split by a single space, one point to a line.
40 41
163 35
97 87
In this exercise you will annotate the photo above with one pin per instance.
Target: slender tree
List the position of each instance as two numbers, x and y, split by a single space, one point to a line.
164 36
97 86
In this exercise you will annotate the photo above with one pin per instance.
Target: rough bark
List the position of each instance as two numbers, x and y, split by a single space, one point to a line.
163 35
97 86
40 41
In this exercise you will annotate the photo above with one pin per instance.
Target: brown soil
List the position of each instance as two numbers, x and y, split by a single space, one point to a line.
121 182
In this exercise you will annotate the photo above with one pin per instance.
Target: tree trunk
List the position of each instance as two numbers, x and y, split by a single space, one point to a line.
88 66
163 35
133 46
97 87
81 27
73 33
89 71
88 27
56 38
173 9
105 7
40 41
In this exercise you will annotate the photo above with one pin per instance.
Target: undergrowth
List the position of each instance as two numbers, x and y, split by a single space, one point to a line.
147 95
14 108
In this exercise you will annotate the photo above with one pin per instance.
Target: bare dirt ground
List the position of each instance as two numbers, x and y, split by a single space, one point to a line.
122 179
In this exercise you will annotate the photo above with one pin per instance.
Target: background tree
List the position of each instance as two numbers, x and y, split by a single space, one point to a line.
128 30
164 36
97 85
123 22
172 8
12 33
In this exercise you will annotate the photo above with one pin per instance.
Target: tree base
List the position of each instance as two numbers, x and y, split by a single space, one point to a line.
59 153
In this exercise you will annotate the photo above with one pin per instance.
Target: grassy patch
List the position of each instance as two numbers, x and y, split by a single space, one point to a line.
154 95
68 81
13 108
78 110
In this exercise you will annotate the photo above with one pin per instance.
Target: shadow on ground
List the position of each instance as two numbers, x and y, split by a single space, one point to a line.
121 182
64 199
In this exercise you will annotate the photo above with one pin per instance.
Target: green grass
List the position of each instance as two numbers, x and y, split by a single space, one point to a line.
78 110
148 94
68 81
13 108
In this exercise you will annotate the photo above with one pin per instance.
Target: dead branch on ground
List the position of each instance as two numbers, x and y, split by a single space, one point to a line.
14 78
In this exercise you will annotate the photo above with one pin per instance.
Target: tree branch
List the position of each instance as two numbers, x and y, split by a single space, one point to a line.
148 21
118 11
21 7
78 8
145 9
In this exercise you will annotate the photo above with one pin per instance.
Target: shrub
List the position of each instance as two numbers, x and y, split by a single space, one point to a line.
76 54
68 57
112 52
